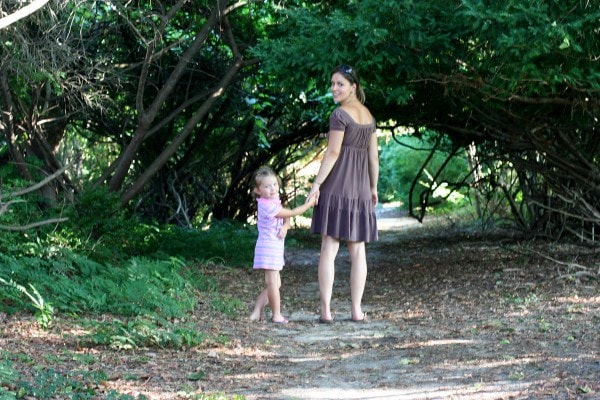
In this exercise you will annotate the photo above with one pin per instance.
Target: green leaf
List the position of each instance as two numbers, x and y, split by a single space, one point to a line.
565 44
196 376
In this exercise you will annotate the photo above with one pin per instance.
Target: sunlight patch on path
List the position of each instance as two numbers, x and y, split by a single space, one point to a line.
471 392
390 217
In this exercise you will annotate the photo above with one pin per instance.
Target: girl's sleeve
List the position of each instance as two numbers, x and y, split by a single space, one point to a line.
269 209
274 209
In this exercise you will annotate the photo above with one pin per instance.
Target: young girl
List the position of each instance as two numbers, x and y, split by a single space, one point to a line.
273 223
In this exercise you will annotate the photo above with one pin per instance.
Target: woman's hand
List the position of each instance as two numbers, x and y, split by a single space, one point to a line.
314 193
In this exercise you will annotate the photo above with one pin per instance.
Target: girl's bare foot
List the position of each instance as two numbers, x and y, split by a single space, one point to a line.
255 316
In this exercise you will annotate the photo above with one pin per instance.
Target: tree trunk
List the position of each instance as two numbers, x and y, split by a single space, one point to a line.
146 117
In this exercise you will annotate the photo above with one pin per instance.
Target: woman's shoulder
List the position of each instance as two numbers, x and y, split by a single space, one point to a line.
358 114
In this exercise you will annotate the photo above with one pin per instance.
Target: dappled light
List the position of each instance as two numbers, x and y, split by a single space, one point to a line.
129 134
491 321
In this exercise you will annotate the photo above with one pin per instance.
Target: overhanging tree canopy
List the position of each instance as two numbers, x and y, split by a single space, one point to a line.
170 109
521 81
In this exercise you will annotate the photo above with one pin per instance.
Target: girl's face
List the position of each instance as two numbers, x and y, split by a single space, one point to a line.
268 188
341 88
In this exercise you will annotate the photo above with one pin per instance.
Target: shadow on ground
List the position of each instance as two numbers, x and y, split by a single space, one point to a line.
452 314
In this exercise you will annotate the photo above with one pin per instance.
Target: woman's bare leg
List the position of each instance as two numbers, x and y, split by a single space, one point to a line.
329 249
358 277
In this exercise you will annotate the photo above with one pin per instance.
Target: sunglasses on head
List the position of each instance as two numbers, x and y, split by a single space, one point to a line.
345 69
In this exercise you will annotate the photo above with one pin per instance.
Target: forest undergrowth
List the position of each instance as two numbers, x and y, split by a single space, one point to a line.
452 314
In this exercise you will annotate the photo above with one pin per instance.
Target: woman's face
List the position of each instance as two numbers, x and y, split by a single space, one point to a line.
341 88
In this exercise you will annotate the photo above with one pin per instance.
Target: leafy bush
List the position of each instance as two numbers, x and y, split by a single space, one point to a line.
100 227
224 242
401 163
103 262
44 311
48 383
144 332
79 285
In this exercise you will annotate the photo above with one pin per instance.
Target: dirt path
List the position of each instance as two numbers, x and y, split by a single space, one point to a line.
452 315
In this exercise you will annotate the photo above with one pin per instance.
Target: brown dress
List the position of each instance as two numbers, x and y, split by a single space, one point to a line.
345 209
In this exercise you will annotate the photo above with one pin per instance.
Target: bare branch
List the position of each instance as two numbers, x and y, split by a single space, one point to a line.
33 225
22 13
40 184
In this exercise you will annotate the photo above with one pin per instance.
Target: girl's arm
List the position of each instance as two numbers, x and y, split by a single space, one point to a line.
301 209
284 228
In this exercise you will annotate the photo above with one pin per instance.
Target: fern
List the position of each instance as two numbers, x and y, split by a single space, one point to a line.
44 311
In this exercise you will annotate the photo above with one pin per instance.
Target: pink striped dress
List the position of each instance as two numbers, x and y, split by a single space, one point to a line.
268 253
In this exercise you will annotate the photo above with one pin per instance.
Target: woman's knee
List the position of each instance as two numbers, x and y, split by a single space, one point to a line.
357 249
329 245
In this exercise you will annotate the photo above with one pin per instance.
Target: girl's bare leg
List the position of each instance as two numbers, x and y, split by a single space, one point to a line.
261 301
273 282
358 277
329 249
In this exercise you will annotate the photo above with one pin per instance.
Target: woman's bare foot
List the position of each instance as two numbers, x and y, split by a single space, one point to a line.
279 319
361 318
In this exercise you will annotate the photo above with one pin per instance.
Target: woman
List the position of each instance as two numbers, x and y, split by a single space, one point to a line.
345 190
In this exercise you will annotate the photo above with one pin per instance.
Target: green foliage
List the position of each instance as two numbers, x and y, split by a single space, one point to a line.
519 80
224 242
48 383
152 299
80 285
67 271
142 332
100 230
99 226
44 311
400 164
8 378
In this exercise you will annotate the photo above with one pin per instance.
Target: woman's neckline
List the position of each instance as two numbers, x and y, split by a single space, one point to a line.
352 119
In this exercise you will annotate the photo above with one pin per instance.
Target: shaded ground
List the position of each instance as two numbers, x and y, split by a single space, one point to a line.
452 315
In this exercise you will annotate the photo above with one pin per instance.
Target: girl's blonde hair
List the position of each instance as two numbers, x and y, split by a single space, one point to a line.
263 172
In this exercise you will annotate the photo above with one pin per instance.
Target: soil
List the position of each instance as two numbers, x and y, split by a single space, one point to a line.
451 314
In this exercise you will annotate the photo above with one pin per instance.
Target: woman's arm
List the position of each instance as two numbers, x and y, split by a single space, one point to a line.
373 155
334 146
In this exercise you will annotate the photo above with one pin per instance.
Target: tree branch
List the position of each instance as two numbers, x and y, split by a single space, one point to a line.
33 225
22 13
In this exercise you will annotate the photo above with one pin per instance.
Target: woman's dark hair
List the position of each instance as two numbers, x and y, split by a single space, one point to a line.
350 73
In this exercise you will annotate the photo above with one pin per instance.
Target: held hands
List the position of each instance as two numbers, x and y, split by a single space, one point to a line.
313 195
311 201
